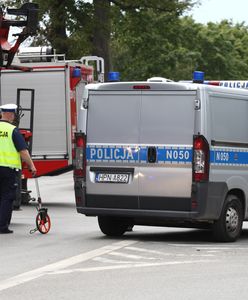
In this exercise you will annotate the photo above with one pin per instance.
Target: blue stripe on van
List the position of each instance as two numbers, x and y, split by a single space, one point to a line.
169 154
111 153
133 154
165 154
230 157
174 155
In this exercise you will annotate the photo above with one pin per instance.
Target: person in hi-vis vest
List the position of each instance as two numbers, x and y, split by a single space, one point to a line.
13 150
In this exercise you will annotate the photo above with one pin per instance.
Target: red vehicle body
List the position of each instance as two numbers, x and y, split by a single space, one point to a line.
49 96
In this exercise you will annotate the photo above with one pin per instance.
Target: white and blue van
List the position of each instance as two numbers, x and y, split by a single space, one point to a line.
163 154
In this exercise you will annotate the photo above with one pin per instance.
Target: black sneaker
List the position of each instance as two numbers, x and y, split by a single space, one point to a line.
6 231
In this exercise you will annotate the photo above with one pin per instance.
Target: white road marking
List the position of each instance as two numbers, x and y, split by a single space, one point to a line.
134 265
62 264
132 256
221 248
167 253
208 247
148 251
111 261
197 246
202 255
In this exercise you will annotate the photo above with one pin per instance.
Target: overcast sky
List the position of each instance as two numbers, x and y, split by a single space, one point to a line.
217 10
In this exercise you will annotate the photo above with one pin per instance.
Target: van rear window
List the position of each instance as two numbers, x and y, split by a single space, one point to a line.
113 118
167 118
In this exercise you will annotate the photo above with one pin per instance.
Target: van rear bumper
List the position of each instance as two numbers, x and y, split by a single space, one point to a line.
207 199
137 213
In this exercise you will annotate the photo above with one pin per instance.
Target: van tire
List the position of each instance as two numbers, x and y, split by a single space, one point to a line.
228 227
113 226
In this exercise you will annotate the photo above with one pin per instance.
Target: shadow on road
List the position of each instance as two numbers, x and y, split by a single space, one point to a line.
191 235
244 234
180 236
185 236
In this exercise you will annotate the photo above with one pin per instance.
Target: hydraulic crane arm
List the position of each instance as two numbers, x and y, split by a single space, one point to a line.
7 51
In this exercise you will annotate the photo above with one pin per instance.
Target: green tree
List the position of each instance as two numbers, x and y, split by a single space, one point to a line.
175 47
72 26
224 50
150 44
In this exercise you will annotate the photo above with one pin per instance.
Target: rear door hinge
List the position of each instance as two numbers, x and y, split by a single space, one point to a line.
197 104
85 103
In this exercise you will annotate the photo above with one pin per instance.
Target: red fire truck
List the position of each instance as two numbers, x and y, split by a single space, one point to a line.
49 96
27 19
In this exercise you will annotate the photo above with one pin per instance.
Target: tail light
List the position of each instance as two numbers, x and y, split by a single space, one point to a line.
216 83
79 162
200 159
141 87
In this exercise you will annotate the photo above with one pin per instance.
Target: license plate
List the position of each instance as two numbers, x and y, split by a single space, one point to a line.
112 178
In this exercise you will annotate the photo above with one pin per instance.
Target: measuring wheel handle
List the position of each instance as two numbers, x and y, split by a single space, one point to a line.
43 222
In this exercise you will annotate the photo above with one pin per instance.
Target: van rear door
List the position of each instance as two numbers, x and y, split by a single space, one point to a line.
166 138
113 128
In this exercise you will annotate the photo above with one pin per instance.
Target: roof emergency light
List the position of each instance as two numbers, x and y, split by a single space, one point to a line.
198 77
113 76
76 73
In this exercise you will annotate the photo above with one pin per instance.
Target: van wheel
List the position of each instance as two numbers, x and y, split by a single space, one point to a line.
113 226
229 225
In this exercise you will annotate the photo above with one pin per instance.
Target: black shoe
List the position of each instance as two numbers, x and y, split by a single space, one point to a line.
6 231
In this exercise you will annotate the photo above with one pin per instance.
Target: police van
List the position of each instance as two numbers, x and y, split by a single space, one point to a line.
163 153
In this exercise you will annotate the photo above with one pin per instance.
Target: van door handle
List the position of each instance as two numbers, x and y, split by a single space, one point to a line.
152 154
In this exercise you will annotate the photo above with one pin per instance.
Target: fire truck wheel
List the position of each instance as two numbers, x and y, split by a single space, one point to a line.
113 226
229 226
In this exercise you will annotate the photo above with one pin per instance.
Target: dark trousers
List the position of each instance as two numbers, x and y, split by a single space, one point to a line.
7 195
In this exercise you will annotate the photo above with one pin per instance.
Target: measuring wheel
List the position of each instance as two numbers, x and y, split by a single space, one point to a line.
43 222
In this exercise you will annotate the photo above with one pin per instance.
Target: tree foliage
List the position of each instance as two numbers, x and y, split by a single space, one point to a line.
144 38
71 26
224 50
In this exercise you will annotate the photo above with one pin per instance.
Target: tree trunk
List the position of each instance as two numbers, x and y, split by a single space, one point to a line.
101 32
56 32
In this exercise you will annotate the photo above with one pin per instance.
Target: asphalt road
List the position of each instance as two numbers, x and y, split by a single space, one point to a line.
76 261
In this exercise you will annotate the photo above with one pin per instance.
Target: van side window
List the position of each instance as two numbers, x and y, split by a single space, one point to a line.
228 119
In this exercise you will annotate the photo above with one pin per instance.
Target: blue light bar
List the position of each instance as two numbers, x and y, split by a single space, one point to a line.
198 77
113 76
76 73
